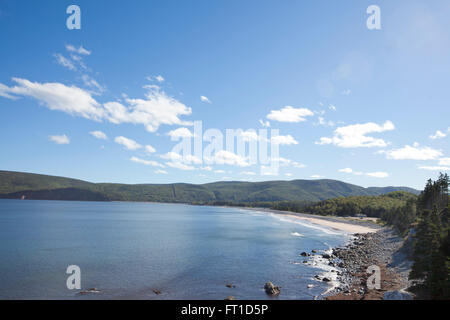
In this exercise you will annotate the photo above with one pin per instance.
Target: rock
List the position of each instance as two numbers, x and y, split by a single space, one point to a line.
271 289
156 291
313 251
326 279
230 298
91 290
326 256
229 285
310 286
304 254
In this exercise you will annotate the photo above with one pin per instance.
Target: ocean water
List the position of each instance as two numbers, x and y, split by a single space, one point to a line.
128 249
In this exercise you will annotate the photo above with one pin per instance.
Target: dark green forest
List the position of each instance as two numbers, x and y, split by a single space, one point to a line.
15 185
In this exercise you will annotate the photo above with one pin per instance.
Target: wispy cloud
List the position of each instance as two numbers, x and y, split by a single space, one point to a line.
146 162
180 133
79 50
98 135
205 99
60 59
60 139
414 152
290 114
438 135
127 143
378 174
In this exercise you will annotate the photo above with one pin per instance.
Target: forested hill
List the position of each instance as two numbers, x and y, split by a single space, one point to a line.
15 185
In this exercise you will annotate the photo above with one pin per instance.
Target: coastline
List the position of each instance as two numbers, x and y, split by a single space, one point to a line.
352 226
345 267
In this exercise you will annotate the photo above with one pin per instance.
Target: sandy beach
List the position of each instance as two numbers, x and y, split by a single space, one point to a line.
350 225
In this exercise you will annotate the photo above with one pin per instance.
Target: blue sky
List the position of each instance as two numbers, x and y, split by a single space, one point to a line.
369 107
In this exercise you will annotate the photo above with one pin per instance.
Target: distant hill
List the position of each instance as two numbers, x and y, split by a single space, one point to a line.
14 185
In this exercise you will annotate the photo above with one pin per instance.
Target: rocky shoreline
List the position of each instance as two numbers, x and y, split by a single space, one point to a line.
383 249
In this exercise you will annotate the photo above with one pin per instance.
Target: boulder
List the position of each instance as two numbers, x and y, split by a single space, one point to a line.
271 289
156 291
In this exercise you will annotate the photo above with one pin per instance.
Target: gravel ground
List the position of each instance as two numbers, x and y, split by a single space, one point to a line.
383 249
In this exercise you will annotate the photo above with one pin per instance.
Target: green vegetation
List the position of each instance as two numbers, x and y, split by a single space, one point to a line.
431 269
34 186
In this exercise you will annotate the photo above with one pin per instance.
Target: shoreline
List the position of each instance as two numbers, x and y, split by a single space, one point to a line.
336 223
383 249
345 267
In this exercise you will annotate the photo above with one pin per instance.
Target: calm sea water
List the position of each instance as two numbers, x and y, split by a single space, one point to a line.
128 249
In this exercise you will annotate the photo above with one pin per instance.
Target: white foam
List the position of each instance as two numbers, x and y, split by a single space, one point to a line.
307 224
296 234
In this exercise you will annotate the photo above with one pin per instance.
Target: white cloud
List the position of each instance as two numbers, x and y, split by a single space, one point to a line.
181 166
92 83
127 143
173 156
79 50
444 162
205 99
248 173
99 135
180 133
57 96
434 168
150 149
219 171
207 168
360 173
316 176
228 158
146 162
284 140
413 153
283 162
158 78
60 139
176 157
354 136
288 174
378 174
156 109
438 135
325 123
332 107
159 171
290 114
64 62
249 135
